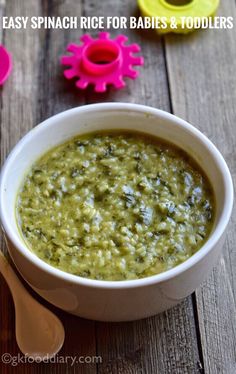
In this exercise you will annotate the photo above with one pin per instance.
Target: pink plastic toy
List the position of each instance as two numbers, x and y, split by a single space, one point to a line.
102 61
5 64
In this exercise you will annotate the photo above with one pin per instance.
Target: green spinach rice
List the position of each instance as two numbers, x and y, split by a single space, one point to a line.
115 206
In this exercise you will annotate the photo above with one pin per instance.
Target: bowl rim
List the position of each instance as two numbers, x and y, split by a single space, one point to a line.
134 283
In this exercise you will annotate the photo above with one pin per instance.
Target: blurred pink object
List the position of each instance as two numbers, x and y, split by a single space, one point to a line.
5 64
102 61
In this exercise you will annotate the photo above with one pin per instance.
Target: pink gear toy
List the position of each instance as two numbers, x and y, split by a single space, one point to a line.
5 64
102 61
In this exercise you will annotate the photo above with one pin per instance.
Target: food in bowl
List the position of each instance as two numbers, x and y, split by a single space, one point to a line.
115 206
114 300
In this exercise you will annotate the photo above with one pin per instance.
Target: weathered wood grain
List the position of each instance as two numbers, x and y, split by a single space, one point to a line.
165 343
202 77
2 9
17 113
36 90
55 94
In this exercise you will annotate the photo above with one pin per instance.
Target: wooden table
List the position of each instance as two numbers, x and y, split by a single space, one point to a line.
193 76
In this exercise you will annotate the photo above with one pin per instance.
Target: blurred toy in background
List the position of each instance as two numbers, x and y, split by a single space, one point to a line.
102 61
181 16
5 64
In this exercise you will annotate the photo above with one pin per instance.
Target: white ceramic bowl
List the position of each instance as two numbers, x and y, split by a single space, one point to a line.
106 300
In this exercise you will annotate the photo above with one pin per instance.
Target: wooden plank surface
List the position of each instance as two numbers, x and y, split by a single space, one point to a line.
194 75
17 117
35 91
165 343
202 79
